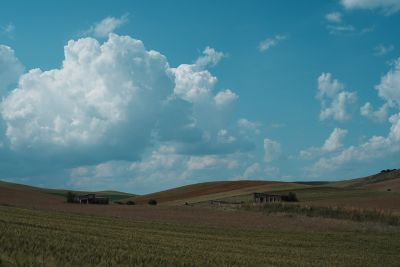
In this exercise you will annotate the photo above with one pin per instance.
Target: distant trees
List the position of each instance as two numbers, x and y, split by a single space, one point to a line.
292 197
70 197
388 170
152 202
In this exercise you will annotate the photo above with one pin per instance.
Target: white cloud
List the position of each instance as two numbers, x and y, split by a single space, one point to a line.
107 106
382 50
210 162
334 17
389 86
379 115
164 157
194 83
336 24
209 57
245 124
224 137
268 43
8 28
387 6
272 150
10 68
106 26
333 98
98 92
331 144
334 140
252 171
376 147
224 98
341 29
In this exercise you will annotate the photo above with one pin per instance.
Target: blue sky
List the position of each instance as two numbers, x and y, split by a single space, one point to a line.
141 96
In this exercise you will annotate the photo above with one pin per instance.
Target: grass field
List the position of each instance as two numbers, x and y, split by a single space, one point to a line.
347 223
39 238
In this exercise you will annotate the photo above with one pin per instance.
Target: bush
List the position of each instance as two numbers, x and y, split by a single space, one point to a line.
130 202
70 197
152 202
292 197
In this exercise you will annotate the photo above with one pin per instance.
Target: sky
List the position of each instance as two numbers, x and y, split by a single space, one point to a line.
142 96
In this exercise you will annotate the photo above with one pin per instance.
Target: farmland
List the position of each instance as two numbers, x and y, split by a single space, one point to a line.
39 238
348 223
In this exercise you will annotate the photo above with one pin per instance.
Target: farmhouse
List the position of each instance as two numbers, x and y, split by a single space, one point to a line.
91 199
269 198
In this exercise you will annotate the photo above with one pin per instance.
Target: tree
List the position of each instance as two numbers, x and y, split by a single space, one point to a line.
152 202
292 197
70 197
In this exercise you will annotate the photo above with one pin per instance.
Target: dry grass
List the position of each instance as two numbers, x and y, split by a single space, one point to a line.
354 214
38 238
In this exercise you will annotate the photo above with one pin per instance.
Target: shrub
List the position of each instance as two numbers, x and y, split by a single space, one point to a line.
152 202
70 197
130 202
292 197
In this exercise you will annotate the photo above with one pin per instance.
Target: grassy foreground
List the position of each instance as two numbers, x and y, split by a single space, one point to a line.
39 238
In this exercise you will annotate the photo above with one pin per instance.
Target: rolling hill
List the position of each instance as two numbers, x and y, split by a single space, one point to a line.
213 190
378 191
20 194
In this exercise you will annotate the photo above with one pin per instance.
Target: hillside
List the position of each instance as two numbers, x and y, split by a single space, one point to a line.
382 181
213 190
20 193
378 191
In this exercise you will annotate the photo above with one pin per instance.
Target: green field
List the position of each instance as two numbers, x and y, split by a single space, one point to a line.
40 238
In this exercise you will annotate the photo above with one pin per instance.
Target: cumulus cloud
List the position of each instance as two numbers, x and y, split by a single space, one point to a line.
380 115
382 50
10 68
333 98
210 57
246 124
272 150
224 98
389 86
334 17
331 144
389 90
100 97
194 83
253 171
106 26
376 147
111 102
387 6
268 43
334 140
8 29
210 162
225 137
